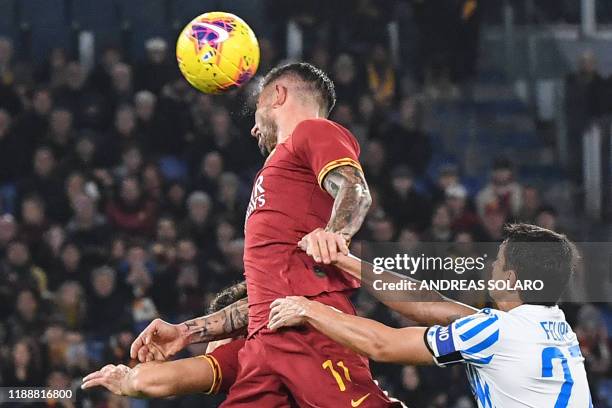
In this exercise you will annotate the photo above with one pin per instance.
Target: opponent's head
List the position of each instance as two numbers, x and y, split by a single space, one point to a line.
292 90
228 296
225 298
532 253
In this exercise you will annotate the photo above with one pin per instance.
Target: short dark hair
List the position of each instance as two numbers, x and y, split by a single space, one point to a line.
308 73
536 253
228 296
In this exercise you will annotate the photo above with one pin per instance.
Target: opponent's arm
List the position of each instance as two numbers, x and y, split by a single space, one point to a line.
347 185
161 339
365 336
154 379
422 306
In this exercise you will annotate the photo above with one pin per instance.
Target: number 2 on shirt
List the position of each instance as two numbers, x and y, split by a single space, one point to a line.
548 355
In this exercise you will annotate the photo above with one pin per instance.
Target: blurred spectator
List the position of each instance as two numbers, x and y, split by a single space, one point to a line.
199 224
584 101
594 345
412 388
381 77
6 61
24 369
19 271
405 140
27 319
404 204
45 183
546 217
88 228
158 69
106 311
375 164
67 266
502 193
70 304
174 200
530 204
130 211
101 76
440 229
463 218
346 81
61 132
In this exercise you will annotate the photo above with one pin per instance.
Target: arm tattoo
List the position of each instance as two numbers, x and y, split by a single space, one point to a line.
227 322
351 199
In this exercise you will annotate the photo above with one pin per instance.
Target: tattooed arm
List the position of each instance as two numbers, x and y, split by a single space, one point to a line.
351 200
161 339
351 203
227 322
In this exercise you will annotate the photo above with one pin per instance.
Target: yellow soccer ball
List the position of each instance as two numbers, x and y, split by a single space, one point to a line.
217 52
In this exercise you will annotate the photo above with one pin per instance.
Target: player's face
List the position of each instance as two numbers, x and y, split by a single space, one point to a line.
265 128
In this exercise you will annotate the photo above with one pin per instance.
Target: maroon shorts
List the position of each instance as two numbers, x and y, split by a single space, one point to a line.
315 370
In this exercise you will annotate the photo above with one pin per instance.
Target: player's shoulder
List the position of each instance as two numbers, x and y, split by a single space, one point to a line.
320 127
484 321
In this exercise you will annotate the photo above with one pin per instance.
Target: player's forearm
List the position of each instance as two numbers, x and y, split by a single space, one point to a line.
227 322
164 379
422 306
362 335
351 200
149 380
369 337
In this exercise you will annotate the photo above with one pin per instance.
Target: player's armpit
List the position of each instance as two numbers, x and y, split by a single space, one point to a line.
352 199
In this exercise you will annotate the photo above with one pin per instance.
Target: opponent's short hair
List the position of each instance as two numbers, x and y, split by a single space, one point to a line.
228 296
536 253
317 80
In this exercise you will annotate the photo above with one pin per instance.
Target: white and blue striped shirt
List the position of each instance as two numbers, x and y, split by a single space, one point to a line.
527 357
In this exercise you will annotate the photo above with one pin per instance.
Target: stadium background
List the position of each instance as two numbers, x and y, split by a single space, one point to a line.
123 190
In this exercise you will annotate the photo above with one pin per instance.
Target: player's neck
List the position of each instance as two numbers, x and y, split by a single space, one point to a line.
287 125
507 305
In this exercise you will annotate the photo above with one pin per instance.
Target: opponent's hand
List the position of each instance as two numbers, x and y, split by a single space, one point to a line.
324 246
110 377
289 311
159 341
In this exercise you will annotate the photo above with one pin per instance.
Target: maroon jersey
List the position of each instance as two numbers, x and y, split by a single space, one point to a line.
287 203
224 363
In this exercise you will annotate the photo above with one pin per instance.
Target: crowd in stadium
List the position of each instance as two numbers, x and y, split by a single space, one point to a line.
123 192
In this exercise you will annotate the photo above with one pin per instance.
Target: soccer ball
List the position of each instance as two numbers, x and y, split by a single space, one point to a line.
217 52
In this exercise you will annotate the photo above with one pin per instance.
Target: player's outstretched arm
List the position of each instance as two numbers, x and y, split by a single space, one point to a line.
365 336
427 307
161 340
154 379
347 185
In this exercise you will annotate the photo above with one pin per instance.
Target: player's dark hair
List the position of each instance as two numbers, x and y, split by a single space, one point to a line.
308 73
228 296
536 253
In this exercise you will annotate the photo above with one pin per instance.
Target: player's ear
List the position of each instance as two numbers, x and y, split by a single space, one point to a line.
511 277
280 95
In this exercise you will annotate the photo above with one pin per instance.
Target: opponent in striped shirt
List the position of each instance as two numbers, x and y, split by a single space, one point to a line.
522 354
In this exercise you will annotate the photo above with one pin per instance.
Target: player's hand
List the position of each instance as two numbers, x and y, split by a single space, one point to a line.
289 311
110 377
324 246
159 341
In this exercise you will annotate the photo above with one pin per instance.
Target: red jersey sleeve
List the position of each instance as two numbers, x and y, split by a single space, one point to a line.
224 363
324 145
